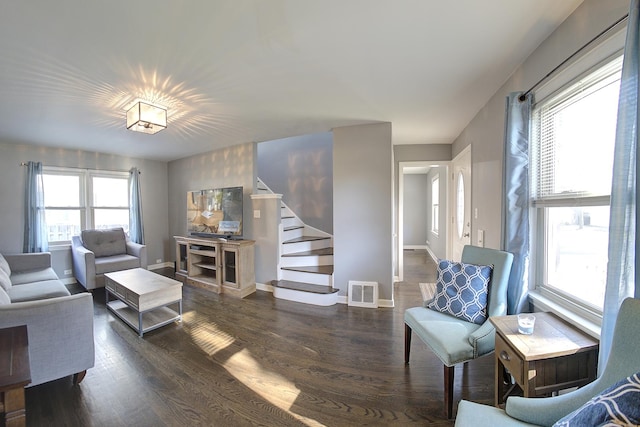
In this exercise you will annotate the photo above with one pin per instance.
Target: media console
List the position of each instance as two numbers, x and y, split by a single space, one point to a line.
222 266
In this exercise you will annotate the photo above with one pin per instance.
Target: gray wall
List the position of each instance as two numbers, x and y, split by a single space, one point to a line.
265 233
416 214
12 179
301 169
227 167
486 131
362 206
437 242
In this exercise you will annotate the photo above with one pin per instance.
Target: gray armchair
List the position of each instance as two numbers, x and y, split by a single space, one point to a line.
455 340
96 252
624 360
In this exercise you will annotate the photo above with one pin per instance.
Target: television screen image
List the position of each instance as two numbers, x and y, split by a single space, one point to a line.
215 212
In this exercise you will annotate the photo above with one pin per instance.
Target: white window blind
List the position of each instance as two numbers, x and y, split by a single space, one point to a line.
573 147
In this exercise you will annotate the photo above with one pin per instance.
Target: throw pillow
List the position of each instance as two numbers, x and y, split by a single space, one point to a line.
4 265
461 290
617 405
5 281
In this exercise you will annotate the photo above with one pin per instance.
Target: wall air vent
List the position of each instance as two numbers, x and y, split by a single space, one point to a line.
363 294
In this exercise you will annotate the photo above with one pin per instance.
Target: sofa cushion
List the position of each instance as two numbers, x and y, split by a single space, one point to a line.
37 291
4 297
461 290
5 281
116 263
4 265
105 242
31 276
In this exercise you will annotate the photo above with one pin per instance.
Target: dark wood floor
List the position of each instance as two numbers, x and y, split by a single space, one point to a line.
262 361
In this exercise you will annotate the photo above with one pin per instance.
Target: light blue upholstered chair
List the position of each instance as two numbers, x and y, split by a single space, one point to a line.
624 360
455 340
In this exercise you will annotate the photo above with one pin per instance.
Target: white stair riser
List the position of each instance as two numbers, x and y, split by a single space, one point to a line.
301 261
306 297
290 222
301 276
292 234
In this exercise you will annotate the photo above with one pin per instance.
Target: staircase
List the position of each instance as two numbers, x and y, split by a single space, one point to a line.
306 261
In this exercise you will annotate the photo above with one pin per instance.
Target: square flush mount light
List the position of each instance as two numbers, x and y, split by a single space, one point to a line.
146 118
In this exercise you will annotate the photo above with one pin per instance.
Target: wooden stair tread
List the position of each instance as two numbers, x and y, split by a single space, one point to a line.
316 269
303 287
293 227
323 251
305 239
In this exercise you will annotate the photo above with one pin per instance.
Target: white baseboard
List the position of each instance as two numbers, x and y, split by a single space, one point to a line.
432 255
263 287
161 265
415 247
386 303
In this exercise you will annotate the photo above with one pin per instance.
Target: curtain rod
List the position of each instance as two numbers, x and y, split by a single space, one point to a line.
550 73
89 169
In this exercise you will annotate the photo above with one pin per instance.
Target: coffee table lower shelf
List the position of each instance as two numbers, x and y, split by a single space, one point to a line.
152 319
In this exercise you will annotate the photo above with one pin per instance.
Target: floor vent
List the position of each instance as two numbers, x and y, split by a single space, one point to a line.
363 294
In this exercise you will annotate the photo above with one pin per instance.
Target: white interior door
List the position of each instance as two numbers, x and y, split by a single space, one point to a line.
461 203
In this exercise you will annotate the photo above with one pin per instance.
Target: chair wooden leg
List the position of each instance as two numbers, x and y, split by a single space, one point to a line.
78 377
407 343
449 372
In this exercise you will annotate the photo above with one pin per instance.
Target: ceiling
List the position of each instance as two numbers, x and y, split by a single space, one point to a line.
234 71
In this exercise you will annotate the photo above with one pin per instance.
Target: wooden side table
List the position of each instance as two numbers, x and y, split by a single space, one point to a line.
15 374
555 357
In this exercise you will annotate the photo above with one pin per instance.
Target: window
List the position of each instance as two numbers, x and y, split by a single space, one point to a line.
435 204
110 202
573 137
77 199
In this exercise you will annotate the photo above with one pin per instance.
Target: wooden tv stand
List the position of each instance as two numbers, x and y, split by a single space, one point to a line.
215 264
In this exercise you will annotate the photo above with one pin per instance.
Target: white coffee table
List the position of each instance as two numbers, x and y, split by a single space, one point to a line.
141 292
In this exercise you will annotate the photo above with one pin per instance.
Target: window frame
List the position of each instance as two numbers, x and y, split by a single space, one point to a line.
91 208
87 207
552 296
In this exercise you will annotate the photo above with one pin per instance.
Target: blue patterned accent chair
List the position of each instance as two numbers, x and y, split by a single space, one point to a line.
623 362
451 337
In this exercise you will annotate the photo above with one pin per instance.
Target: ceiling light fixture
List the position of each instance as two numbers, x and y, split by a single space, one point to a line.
146 118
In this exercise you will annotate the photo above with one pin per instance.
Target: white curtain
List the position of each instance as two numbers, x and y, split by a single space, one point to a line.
623 239
136 228
35 229
515 228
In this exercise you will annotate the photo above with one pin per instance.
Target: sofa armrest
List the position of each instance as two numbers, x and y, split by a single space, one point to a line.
31 261
84 263
139 251
548 410
475 414
60 332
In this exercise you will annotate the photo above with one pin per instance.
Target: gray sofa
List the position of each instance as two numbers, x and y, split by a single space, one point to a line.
59 325
96 252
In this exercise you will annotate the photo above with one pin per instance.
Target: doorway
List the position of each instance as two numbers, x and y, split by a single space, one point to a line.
433 234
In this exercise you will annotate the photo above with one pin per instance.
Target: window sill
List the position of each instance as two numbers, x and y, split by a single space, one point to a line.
59 247
542 303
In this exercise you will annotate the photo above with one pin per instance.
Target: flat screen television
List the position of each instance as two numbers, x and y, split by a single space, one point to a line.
215 212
